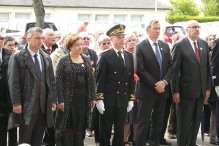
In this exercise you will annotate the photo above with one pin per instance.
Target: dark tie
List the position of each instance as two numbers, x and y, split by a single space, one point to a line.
48 51
37 65
121 60
197 53
158 56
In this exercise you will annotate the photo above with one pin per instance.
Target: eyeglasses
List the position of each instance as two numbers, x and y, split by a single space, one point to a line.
195 27
106 43
86 38
2 38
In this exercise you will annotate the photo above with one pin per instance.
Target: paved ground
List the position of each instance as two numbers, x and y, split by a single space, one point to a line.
90 141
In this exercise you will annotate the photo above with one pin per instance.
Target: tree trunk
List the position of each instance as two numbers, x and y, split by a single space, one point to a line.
39 13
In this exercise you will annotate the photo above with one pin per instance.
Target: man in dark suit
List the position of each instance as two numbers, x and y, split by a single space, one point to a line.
32 89
214 60
115 87
153 67
190 83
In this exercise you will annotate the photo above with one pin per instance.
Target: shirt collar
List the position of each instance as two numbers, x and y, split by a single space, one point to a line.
32 53
47 47
152 42
191 41
118 50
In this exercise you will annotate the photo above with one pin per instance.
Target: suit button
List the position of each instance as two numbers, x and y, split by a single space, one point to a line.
117 92
118 82
125 93
114 72
126 83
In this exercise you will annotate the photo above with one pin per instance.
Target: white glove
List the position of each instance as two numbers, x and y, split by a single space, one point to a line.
100 106
217 90
130 106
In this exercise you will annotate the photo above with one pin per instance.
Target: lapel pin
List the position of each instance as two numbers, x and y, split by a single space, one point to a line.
200 48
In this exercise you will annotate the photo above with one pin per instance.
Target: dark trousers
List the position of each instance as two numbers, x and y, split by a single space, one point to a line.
151 115
3 129
172 126
32 133
12 137
188 120
217 118
96 119
116 116
166 116
49 135
207 115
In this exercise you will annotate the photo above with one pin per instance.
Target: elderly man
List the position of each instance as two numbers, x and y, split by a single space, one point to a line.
153 61
32 89
115 87
190 83
49 41
49 46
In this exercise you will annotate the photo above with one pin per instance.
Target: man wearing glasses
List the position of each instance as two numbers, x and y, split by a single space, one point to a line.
190 83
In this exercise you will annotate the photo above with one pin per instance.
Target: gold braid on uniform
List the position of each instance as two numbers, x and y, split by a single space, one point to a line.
99 96
132 97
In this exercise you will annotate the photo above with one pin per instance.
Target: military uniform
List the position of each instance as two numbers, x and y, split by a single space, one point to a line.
115 87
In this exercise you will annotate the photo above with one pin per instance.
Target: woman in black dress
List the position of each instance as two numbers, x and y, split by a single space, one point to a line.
76 93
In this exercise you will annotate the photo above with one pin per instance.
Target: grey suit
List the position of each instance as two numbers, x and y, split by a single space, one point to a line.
149 100
35 94
190 80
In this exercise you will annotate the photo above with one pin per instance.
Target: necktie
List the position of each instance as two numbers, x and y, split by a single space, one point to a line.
37 65
49 51
197 53
120 58
158 56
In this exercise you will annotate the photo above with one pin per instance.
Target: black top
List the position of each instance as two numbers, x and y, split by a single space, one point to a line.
79 92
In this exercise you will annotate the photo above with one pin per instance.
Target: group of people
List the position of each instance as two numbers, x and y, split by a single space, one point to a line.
57 87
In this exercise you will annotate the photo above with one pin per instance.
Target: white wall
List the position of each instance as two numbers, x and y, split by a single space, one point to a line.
67 18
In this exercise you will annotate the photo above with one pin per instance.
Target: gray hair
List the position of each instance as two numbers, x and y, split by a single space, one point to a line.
47 31
190 22
152 22
32 30
103 37
129 36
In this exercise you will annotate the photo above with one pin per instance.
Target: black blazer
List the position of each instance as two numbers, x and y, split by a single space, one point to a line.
215 63
190 78
148 69
5 102
116 84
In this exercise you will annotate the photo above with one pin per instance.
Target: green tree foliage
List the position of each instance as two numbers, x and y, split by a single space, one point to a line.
184 7
210 7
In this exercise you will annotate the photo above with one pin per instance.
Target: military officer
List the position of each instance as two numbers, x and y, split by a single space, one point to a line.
115 87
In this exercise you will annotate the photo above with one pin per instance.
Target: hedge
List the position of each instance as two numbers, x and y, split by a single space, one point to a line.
178 18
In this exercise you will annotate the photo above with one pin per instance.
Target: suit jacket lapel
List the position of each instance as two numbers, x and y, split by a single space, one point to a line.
29 62
201 51
150 50
44 58
190 48
114 58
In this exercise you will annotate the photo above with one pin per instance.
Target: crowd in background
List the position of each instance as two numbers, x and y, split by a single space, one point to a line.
60 89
